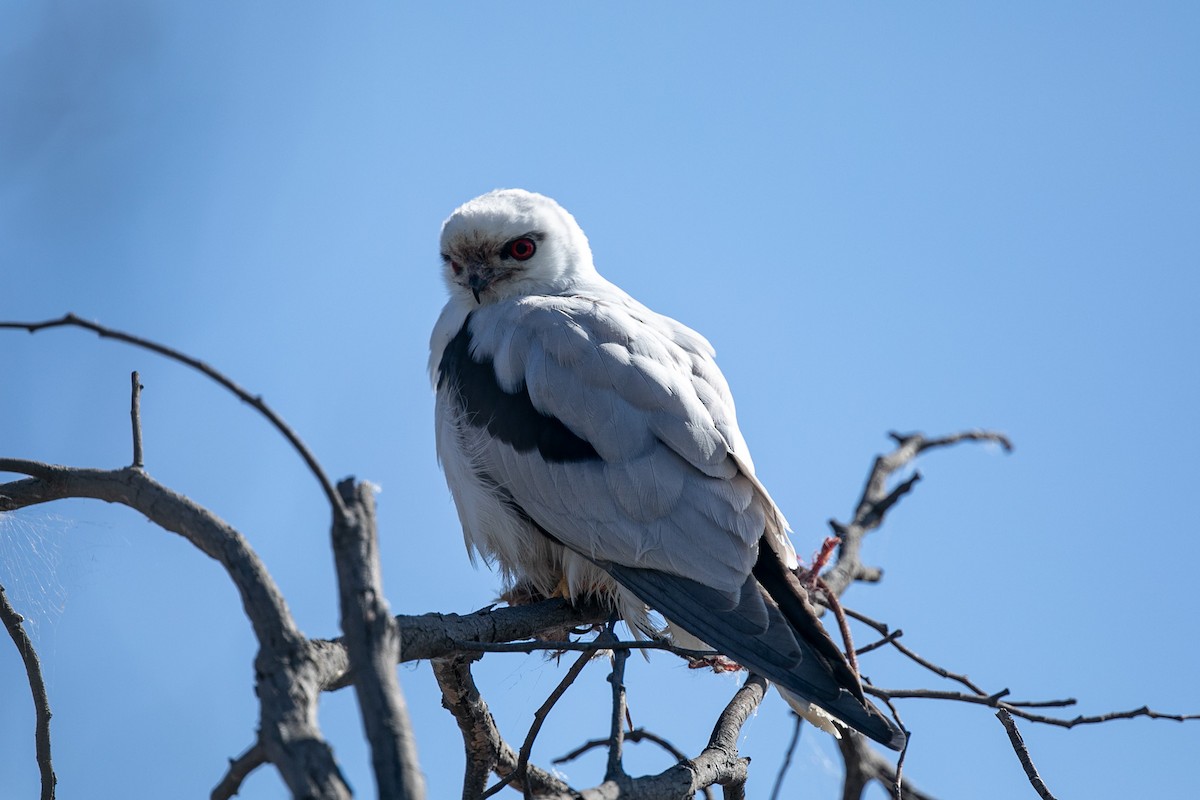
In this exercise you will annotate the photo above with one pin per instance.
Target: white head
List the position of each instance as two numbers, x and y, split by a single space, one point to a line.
512 242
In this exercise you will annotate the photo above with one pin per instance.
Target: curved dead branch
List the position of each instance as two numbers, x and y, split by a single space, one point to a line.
287 673
253 400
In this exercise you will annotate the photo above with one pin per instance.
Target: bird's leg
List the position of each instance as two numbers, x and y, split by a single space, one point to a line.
524 593
810 577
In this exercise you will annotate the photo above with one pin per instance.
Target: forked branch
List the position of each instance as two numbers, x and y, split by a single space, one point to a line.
876 500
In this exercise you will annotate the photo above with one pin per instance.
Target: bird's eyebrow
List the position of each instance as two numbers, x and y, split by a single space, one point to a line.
445 256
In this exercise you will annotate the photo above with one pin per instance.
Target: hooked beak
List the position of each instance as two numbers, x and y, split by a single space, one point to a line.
478 281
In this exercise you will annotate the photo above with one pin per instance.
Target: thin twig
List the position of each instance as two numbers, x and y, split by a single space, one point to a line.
37 686
787 757
880 627
635 736
578 647
255 401
1144 711
135 416
878 643
937 670
1017 707
898 780
539 718
1018 745
718 764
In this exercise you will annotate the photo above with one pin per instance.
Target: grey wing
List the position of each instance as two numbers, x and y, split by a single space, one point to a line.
614 437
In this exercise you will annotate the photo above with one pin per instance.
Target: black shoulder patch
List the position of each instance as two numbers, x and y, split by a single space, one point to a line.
510 417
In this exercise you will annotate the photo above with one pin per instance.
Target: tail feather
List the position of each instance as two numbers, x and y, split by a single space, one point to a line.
752 629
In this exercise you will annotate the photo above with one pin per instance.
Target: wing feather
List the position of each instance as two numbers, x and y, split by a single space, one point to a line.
665 491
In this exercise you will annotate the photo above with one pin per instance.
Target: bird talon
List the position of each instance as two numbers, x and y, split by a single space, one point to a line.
717 664
522 594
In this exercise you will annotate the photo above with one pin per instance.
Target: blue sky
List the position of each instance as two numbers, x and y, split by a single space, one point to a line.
883 216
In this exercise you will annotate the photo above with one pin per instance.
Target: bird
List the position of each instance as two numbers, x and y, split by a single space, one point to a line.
592 450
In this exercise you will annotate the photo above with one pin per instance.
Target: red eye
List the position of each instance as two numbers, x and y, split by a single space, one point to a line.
521 249
454 265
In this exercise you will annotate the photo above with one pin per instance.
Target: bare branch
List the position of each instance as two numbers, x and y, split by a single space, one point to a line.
873 517
286 667
1018 744
173 512
1017 707
875 500
255 401
787 756
976 435
239 769
591 646
864 764
722 745
135 416
878 643
482 742
539 718
485 748
1017 710
880 627
897 785
615 770
635 736
373 645
934 668
855 755
41 703
430 636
